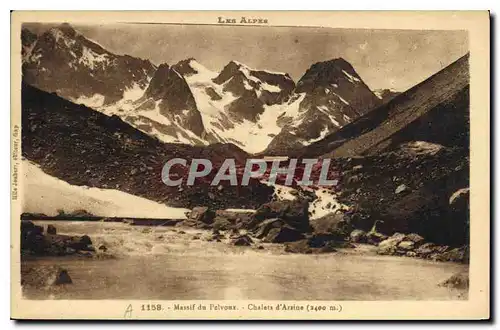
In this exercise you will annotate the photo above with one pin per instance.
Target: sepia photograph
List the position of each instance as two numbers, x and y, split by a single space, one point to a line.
242 161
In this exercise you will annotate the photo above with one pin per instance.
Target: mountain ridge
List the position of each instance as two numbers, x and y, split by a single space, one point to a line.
64 61
259 110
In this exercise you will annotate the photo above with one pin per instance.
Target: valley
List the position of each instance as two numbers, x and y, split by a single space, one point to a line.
99 127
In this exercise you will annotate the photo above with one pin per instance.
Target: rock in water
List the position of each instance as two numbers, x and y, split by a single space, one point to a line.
51 229
243 240
62 277
43 276
457 281
301 246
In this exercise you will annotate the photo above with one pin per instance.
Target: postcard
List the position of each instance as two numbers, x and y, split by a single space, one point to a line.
250 165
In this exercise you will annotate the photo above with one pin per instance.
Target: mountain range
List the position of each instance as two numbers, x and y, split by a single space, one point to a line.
258 110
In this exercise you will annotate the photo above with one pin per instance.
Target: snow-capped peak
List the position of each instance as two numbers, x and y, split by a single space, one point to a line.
246 68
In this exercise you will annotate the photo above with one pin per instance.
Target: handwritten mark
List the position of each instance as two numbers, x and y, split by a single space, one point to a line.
128 312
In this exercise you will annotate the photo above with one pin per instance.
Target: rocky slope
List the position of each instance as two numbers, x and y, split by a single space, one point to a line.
85 147
405 165
28 40
62 60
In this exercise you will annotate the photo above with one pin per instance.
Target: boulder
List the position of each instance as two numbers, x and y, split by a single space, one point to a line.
415 238
85 240
236 219
283 234
375 238
83 243
401 188
202 214
44 276
58 277
304 246
359 220
457 281
294 213
26 226
454 255
64 244
243 240
221 224
323 240
262 229
389 246
357 236
300 246
32 238
51 229
406 245
331 224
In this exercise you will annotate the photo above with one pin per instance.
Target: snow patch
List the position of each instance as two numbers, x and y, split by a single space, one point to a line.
421 148
91 59
240 210
133 93
270 88
325 110
325 203
350 77
47 195
247 85
94 101
324 132
340 97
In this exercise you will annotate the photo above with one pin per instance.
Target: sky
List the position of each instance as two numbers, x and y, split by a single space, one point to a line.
397 59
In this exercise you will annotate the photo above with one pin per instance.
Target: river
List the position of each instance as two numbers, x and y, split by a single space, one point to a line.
166 263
